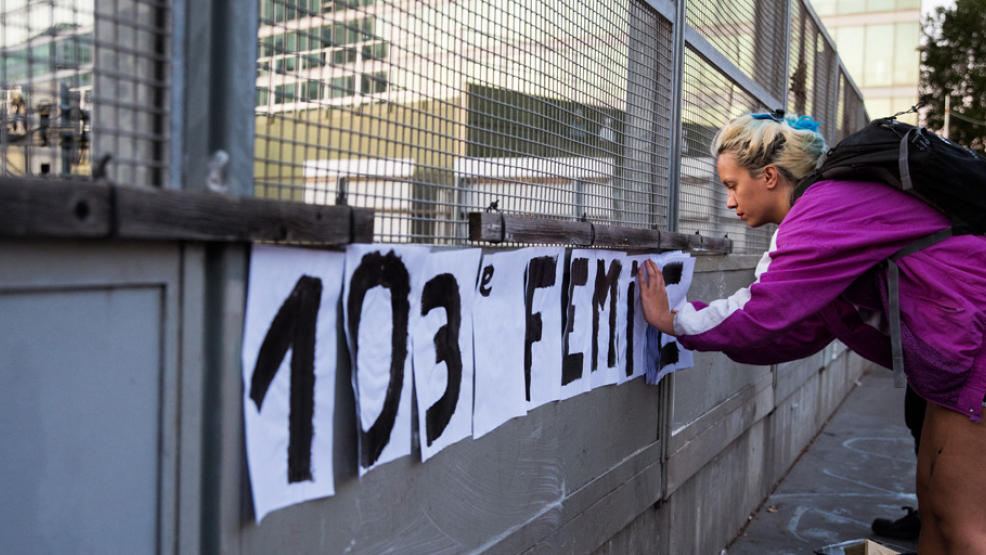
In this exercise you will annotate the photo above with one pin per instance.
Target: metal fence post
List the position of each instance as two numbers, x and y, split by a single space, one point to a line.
220 84
784 91
678 93
219 38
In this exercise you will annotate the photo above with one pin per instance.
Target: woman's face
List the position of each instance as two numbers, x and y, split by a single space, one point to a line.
757 200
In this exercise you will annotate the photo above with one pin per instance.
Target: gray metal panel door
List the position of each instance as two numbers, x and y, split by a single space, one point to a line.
87 383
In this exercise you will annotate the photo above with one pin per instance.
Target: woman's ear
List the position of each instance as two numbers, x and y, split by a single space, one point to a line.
770 175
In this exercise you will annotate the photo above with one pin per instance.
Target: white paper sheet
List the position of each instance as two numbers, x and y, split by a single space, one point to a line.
577 340
441 335
543 323
606 325
664 351
379 285
685 264
498 332
633 340
277 286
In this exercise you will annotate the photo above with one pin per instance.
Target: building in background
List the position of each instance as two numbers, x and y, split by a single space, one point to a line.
46 80
879 41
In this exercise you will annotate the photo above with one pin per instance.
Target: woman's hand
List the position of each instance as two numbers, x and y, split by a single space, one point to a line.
654 298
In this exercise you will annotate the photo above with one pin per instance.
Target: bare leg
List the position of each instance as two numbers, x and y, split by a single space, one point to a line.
952 484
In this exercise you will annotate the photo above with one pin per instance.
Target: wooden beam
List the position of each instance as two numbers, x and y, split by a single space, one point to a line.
61 208
493 227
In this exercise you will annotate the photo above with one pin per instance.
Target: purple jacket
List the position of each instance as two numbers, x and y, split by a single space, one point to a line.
822 280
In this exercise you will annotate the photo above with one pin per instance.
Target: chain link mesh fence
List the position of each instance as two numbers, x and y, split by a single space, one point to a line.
425 111
711 99
85 88
749 33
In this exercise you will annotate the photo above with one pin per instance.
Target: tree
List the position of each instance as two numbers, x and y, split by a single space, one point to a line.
953 62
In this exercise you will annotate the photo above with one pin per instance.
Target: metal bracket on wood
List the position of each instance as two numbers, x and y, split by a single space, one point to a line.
63 208
498 228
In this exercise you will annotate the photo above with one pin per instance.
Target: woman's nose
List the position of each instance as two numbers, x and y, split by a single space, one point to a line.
730 200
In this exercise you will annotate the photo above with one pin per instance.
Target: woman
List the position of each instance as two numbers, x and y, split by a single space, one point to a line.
822 279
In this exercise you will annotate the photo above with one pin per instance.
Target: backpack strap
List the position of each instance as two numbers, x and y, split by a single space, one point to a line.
904 164
893 298
802 186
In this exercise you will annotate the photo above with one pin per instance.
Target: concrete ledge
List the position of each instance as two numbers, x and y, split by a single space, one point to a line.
724 464
599 510
695 445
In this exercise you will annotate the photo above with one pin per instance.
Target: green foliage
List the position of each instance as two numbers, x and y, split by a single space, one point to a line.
953 62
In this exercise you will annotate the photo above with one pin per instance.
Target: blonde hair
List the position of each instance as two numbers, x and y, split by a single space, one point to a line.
783 143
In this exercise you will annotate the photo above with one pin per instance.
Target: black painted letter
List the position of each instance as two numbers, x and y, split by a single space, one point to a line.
386 271
484 284
671 272
572 362
631 307
293 328
607 285
540 274
443 291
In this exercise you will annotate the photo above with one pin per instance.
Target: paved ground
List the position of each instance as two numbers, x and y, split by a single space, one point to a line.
860 467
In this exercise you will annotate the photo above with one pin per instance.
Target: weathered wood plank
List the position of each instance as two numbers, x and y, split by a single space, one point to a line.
53 208
30 208
501 228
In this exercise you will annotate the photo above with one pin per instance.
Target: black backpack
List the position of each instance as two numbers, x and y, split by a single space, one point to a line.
944 175
912 159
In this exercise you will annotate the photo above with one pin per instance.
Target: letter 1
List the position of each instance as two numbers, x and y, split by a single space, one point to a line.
293 328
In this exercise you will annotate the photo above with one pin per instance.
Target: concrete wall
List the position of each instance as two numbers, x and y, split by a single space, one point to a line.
150 332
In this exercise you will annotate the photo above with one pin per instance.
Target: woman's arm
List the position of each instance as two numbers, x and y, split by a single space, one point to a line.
805 339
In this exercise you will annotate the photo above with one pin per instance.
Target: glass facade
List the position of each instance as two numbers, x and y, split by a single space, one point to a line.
844 7
879 42
292 63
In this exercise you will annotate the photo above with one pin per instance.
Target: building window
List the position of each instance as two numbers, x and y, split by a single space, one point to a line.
343 56
262 97
372 83
313 60
345 33
311 91
267 47
284 94
879 56
343 86
327 36
330 6
375 51
907 59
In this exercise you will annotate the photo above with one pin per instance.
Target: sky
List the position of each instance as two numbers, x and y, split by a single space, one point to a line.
928 6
